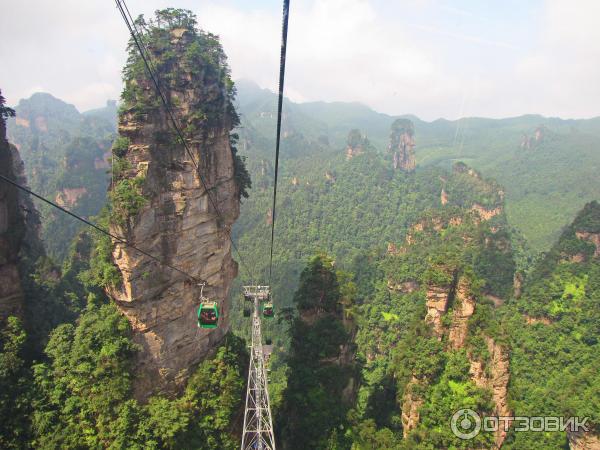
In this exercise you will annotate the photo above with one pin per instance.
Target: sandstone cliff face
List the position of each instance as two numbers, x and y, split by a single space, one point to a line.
411 403
438 300
464 307
592 238
14 208
444 197
495 378
496 382
580 440
178 224
356 144
19 228
402 145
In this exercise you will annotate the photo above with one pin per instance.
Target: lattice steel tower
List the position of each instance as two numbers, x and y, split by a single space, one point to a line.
258 423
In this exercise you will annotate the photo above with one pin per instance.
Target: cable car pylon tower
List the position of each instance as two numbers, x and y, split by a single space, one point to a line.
258 423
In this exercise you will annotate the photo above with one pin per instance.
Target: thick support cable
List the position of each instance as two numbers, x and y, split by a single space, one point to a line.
284 32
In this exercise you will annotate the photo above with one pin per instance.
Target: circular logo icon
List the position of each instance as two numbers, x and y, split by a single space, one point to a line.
465 424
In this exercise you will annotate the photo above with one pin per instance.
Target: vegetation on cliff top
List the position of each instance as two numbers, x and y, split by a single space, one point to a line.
183 58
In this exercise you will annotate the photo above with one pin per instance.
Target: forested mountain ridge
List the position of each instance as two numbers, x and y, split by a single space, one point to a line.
550 178
67 158
443 322
554 328
423 354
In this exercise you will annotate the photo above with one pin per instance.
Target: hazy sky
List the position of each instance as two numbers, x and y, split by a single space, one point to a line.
432 58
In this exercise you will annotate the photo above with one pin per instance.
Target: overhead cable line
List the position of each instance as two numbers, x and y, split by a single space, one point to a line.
145 55
98 228
284 31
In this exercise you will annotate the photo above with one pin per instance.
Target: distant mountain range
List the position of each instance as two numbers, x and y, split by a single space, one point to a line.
548 166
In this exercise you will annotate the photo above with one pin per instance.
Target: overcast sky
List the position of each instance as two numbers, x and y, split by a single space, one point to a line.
432 58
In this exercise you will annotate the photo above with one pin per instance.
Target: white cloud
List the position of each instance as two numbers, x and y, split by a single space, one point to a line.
425 58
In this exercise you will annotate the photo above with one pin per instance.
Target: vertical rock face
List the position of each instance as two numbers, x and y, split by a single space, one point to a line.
464 307
592 238
356 144
176 220
517 285
496 381
402 145
12 229
444 197
438 299
580 440
411 403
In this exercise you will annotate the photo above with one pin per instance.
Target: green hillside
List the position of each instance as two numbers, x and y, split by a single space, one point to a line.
546 184
67 158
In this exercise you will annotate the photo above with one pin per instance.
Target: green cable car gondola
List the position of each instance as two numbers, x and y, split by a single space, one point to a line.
268 311
208 315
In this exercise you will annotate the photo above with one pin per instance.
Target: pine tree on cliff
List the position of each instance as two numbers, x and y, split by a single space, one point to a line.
5 111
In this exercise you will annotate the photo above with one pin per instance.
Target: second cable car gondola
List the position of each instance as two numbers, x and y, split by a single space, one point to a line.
208 315
268 311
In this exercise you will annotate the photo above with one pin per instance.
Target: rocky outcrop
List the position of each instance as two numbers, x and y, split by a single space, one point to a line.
496 380
592 238
70 197
356 144
517 285
486 213
269 217
529 142
12 229
402 144
438 301
177 223
411 403
581 440
19 226
406 287
529 320
444 197
464 307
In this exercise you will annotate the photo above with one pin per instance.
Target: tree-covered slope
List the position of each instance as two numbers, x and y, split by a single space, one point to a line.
67 159
554 328
546 180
